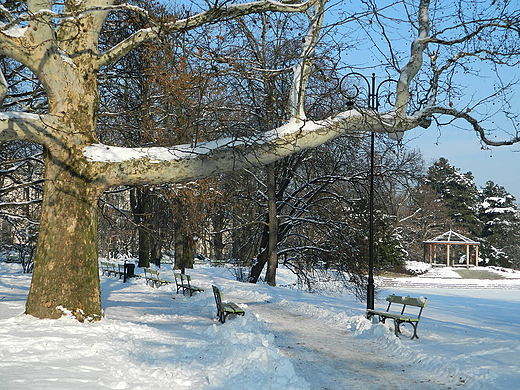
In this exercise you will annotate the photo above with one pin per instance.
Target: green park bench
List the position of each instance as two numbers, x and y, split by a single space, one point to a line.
153 279
110 269
183 281
225 308
400 317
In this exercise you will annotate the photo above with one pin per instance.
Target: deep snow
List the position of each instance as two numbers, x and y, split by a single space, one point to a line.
288 339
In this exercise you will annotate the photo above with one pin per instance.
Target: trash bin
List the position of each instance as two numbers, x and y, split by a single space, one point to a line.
129 271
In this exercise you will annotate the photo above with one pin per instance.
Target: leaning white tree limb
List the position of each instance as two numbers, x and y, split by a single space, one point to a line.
302 71
415 62
3 88
184 162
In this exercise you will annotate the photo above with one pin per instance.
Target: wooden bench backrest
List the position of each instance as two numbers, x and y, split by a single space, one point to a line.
151 273
185 278
408 301
218 295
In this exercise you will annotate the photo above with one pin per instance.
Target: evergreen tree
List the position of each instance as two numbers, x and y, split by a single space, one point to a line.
459 194
501 226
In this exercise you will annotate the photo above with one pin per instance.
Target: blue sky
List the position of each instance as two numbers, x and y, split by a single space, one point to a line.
474 86
463 150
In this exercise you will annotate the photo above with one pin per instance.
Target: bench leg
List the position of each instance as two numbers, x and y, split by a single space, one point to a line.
380 318
414 326
397 330
414 330
222 316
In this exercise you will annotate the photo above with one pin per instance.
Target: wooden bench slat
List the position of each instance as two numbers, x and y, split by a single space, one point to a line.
232 307
393 315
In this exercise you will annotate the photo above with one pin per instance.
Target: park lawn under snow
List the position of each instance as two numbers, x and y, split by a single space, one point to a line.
288 339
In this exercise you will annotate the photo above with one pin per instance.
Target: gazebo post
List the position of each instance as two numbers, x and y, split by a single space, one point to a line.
476 255
467 256
447 255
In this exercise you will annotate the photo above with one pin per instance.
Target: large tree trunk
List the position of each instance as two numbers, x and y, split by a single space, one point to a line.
218 236
140 203
272 247
184 245
65 276
261 260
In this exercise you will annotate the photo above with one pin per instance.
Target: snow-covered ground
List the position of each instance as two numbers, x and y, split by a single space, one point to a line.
469 338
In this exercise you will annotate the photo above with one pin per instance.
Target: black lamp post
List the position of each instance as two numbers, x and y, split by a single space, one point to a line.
350 88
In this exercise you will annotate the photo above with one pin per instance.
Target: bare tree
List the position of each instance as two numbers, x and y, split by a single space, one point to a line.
58 43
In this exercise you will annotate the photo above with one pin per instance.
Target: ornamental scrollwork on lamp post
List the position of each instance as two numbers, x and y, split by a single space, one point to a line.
364 93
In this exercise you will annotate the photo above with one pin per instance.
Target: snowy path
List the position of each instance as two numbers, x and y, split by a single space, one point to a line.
332 360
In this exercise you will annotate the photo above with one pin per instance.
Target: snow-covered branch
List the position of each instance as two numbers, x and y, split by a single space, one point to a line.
211 15
26 127
118 166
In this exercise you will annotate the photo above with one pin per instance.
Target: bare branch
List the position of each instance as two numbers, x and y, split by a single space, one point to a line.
480 27
197 20
482 132
5 12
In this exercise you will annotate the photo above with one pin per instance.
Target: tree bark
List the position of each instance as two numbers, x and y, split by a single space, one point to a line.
262 257
184 246
218 240
65 276
140 203
144 247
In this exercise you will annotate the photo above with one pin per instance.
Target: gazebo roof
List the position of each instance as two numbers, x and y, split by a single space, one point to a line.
451 237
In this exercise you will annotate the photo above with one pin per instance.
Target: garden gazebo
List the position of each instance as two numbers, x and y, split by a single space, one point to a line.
448 239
